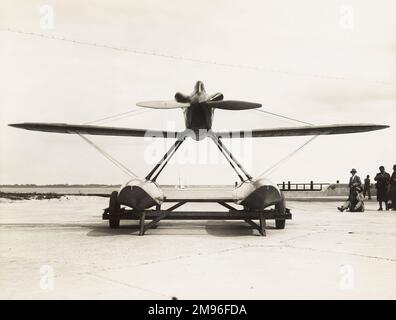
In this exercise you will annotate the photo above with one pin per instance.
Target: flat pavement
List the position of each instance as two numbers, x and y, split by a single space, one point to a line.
61 249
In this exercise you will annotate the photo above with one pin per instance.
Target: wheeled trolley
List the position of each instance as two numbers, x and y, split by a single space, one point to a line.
151 217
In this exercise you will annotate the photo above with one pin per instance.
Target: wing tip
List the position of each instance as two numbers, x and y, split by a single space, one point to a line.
16 125
374 127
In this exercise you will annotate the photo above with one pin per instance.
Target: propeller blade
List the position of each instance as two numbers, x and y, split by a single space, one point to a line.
216 97
233 105
171 104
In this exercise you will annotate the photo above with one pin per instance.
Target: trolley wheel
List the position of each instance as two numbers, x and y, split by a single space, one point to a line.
114 208
281 208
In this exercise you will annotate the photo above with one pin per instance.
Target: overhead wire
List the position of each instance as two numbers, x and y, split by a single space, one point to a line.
196 60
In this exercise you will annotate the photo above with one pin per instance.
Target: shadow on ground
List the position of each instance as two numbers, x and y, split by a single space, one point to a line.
213 228
106 231
228 229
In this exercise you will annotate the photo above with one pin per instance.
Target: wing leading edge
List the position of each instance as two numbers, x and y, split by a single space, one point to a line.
302 131
93 130
255 133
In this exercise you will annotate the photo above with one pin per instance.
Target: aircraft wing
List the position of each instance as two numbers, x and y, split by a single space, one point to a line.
302 131
130 132
93 130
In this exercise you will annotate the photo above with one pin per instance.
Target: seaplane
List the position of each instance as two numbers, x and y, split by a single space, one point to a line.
137 198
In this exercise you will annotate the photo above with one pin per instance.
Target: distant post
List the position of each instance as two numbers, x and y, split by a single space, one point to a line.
288 185
311 185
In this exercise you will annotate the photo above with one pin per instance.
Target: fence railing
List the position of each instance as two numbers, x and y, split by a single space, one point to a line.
310 186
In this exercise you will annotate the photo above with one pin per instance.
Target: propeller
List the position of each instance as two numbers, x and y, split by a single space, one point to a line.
223 104
170 104
232 105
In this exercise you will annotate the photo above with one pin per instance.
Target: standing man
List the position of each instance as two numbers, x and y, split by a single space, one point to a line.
366 189
382 185
354 181
393 188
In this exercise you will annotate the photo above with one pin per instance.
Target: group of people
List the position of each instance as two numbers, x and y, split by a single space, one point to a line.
386 191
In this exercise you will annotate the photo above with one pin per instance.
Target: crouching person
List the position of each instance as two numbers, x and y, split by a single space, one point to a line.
355 202
359 205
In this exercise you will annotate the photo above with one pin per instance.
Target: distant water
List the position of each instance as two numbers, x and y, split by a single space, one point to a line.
60 190
170 191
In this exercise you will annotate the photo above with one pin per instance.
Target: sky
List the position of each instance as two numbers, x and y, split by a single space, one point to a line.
322 62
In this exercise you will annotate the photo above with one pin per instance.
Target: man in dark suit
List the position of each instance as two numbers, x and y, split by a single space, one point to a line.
354 202
393 188
382 185
354 180
366 188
